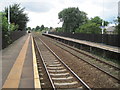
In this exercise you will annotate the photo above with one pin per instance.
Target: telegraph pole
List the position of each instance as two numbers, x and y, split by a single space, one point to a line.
103 19
103 23
102 26
8 18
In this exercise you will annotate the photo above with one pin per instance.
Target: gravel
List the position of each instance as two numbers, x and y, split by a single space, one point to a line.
92 76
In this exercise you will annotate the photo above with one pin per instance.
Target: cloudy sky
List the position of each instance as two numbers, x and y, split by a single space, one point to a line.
46 11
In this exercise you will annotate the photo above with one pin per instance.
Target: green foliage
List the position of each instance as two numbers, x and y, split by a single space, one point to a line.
46 28
51 28
98 20
5 33
90 28
33 29
72 18
4 22
17 16
29 28
117 28
37 28
42 27
13 27
118 25
59 29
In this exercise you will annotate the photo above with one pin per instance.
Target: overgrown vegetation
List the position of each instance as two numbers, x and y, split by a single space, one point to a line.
17 16
18 20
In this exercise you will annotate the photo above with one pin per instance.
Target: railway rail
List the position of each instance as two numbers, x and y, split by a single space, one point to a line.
103 66
58 73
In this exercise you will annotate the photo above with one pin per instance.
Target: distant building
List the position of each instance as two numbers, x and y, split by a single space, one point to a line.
119 8
110 30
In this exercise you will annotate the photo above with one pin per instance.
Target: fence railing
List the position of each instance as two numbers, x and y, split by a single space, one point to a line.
10 37
107 39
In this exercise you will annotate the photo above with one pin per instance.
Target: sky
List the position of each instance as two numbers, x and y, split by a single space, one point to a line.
46 11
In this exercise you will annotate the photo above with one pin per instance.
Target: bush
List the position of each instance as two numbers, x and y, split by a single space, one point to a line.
90 28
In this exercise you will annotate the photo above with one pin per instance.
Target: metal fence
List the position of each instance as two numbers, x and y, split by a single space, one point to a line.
11 37
107 39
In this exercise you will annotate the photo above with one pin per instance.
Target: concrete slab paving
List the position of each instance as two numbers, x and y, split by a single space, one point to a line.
9 56
18 61
14 75
27 78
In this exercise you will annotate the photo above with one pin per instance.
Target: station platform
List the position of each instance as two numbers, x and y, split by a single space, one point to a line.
88 43
19 67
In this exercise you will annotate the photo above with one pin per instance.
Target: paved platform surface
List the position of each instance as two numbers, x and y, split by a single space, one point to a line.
18 64
92 44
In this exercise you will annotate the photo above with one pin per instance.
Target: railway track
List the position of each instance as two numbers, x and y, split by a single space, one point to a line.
103 66
58 73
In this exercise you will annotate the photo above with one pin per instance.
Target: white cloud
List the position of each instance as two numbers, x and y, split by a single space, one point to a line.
47 19
38 6
46 11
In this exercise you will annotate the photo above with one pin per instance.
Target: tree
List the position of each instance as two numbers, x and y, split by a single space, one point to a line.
51 28
46 28
17 16
117 27
33 29
4 22
37 28
13 27
42 27
5 34
59 29
99 21
92 26
29 28
72 18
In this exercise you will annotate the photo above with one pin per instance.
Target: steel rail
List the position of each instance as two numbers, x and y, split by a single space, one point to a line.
92 65
66 66
53 86
89 56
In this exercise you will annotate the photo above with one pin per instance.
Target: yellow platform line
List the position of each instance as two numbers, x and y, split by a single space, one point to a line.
36 75
14 76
